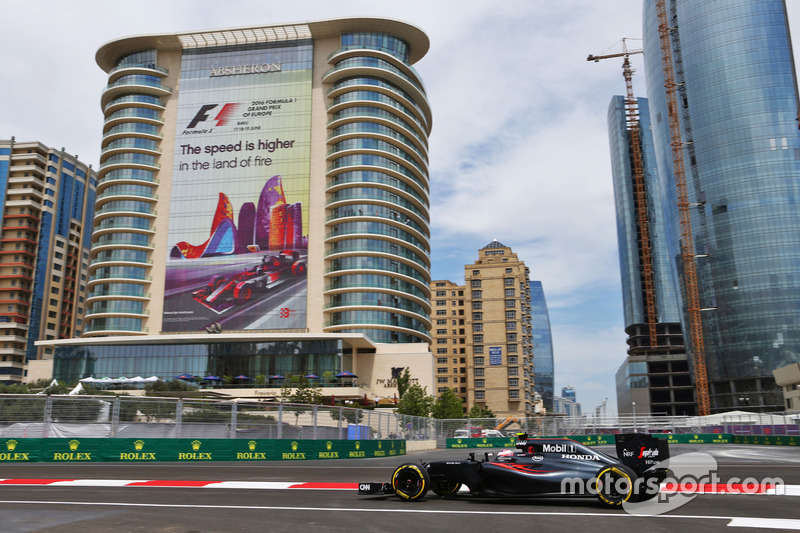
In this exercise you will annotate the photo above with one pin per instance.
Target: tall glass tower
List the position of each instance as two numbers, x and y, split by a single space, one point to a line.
738 108
542 345
655 375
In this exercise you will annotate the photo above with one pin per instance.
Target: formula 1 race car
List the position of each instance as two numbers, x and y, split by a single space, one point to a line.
553 467
221 294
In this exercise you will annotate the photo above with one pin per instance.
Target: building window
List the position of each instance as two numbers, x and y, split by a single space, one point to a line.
513 371
441 312
512 359
510 293
442 370
441 350
477 316
475 284
441 322
511 315
508 271
480 383
479 372
477 295
511 348
441 332
441 360
478 361
477 327
513 394
480 395
476 272
441 341
511 325
511 303
441 293
477 339
508 282
441 302
477 350
511 337
477 305
442 380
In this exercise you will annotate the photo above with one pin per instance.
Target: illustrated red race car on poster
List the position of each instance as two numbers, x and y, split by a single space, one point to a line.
541 467
222 294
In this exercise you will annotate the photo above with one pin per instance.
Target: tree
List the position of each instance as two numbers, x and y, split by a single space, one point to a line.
298 389
403 382
415 402
448 405
480 411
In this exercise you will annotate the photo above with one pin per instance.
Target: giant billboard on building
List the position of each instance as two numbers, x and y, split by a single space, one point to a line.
238 230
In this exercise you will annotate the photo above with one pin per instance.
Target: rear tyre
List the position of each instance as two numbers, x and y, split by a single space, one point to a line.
410 481
615 485
447 488
243 292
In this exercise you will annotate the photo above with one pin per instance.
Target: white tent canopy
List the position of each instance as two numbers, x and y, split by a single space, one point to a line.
109 381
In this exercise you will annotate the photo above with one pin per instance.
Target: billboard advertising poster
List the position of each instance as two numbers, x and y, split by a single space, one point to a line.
238 222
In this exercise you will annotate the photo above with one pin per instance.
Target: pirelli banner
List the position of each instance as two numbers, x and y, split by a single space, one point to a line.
180 450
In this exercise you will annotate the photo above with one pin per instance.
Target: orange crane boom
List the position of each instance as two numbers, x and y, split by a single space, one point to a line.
684 209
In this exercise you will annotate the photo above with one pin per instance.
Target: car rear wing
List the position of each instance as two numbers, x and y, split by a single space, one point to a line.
642 451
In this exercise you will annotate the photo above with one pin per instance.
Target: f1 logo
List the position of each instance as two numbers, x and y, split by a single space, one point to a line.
222 117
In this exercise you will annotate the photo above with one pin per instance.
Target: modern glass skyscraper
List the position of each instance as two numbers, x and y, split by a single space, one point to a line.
658 380
268 184
542 345
738 107
292 145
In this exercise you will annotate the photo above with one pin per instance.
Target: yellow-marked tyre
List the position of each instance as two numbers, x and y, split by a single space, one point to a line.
410 481
447 489
616 485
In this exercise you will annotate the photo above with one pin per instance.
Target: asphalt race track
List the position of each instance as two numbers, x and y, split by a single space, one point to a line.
317 496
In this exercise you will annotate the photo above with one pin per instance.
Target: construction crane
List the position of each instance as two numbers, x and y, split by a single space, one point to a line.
640 193
684 209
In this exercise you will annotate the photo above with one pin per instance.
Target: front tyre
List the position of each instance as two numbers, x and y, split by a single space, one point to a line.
410 481
615 485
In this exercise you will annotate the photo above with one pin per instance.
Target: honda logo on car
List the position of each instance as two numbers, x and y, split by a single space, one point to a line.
580 457
558 448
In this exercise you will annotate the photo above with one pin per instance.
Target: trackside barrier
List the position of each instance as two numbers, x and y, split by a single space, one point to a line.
767 439
195 450
600 440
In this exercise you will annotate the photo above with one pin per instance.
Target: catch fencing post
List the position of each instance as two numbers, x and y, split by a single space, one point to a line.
48 411
178 417
280 420
115 417
234 415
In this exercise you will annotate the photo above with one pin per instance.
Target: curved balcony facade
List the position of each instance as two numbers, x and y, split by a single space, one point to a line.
121 262
377 242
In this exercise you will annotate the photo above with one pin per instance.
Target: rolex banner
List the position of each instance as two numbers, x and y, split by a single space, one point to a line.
78 450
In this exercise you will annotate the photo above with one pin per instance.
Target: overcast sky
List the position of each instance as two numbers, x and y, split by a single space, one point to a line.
519 150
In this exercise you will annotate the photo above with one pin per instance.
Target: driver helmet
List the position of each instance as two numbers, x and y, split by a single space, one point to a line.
505 455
